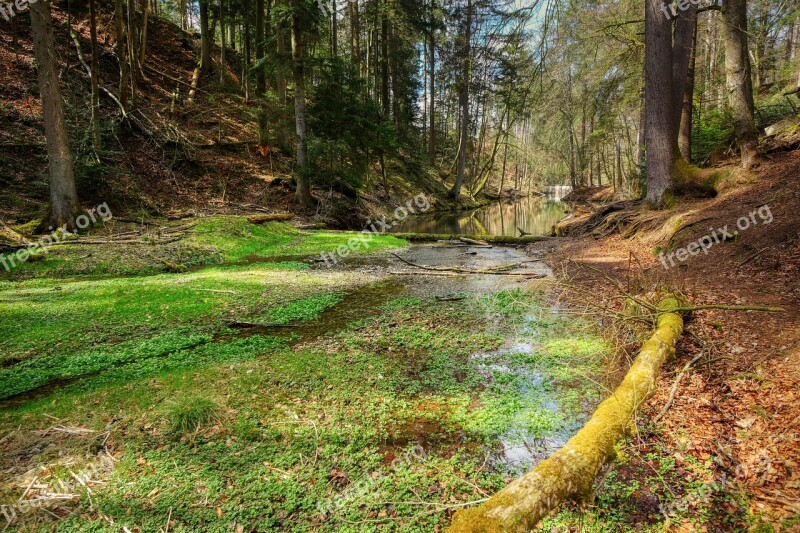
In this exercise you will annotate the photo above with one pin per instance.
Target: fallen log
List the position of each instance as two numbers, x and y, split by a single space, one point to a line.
271 217
570 472
496 271
9 236
493 239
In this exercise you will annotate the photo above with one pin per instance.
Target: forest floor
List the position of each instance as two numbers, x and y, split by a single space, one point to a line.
254 389
727 451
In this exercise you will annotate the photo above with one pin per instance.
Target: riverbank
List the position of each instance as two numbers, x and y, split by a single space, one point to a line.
723 455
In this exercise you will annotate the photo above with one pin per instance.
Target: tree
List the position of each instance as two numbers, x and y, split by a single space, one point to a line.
121 50
659 105
682 64
64 204
205 39
95 80
303 194
463 101
738 79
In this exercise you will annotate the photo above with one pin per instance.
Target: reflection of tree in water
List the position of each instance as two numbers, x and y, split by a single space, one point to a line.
533 215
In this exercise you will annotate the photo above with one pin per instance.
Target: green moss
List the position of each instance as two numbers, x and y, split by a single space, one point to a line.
215 241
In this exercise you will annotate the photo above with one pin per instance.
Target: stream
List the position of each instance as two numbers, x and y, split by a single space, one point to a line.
535 215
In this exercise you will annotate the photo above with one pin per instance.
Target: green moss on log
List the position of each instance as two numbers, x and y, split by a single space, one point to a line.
570 472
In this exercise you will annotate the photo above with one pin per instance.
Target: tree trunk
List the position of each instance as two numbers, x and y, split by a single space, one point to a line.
640 135
97 141
247 59
223 38
682 57
205 39
385 93
334 28
432 91
463 100
303 195
261 79
145 5
355 35
738 81
658 93
121 50
283 140
685 128
63 194
133 57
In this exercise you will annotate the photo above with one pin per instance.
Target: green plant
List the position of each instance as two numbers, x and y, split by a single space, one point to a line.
188 414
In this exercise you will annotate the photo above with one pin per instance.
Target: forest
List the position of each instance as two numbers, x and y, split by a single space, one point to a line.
400 265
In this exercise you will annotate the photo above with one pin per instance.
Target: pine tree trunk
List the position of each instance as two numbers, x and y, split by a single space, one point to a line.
682 59
738 79
205 40
303 195
223 37
334 28
463 100
247 60
145 5
685 128
121 51
283 139
385 89
355 35
658 92
63 194
432 91
97 141
133 58
261 80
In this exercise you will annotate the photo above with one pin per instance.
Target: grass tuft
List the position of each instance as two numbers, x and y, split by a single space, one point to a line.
188 414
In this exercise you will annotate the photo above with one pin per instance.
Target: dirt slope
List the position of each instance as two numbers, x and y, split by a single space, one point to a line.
740 403
200 156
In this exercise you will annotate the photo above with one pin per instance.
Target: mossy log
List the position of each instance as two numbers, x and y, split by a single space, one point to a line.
10 237
571 471
272 217
494 239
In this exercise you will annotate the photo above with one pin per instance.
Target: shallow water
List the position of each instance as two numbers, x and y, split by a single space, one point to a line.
534 215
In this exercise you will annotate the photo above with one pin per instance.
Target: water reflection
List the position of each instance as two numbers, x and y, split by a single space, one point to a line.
534 215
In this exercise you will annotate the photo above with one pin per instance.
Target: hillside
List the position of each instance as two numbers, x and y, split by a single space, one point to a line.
168 155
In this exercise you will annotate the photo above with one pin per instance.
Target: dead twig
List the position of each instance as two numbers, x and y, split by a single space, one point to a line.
675 385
